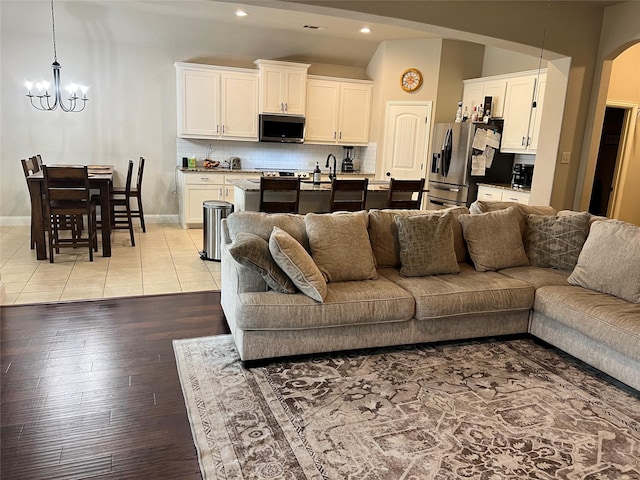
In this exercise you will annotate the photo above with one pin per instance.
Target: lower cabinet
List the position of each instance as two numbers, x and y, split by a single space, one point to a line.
196 187
502 195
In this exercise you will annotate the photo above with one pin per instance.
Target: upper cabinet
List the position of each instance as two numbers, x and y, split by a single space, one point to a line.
476 89
217 102
282 87
338 111
522 113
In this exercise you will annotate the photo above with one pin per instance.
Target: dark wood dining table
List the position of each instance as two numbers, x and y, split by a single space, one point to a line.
100 178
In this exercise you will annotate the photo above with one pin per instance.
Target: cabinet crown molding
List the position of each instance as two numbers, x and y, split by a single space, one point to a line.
259 62
505 76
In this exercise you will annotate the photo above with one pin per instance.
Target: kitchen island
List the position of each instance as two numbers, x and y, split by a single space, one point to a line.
313 198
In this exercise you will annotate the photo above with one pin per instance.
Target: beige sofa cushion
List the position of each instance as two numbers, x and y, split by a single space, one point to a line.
340 245
468 293
426 245
556 241
252 252
347 303
610 260
261 224
538 277
607 319
294 260
494 239
383 233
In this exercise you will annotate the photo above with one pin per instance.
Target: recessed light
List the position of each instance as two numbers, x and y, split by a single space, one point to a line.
365 30
241 13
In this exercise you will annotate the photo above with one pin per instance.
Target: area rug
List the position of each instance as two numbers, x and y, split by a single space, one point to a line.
491 409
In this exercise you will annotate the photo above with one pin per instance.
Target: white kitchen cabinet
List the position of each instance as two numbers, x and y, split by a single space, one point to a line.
196 187
476 89
217 103
338 111
282 87
502 195
522 112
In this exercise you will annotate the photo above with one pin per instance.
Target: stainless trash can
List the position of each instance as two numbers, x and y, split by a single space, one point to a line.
213 211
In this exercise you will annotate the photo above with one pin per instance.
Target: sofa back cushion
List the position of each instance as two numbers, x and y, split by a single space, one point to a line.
610 260
261 224
340 245
383 233
494 239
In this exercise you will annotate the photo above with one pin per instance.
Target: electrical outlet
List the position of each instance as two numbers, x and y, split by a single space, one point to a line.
566 158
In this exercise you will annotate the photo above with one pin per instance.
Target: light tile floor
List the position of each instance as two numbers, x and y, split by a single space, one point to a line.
166 259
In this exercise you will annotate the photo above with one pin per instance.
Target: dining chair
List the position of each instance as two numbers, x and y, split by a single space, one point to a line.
348 194
30 167
405 194
279 194
67 195
134 192
121 213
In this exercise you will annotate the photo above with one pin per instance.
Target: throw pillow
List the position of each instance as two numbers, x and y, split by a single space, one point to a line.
494 239
261 224
294 260
426 245
252 251
383 233
556 241
610 260
340 245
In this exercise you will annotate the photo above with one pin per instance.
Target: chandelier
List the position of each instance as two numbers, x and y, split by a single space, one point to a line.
43 97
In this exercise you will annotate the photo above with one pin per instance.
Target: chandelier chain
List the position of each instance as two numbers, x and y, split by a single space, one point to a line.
53 28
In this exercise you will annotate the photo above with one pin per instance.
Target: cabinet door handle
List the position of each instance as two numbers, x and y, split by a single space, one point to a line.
528 141
286 107
523 140
488 194
226 192
513 199
217 128
282 107
334 135
340 135
204 179
220 192
223 129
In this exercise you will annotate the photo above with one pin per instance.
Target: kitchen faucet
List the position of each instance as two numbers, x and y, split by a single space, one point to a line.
334 174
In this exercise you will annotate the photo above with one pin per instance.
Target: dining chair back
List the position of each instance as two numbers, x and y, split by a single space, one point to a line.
67 195
348 194
279 194
134 192
405 194
30 166
121 213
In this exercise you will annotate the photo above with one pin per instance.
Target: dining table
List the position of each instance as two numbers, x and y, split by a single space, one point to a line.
100 178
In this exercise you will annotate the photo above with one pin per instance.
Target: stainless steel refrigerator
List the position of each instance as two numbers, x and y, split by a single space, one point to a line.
451 182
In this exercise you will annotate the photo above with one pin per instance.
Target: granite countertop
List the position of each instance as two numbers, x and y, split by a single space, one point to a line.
506 186
259 172
253 185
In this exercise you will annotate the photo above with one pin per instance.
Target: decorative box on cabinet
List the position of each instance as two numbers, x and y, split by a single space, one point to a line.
338 111
282 87
216 102
522 113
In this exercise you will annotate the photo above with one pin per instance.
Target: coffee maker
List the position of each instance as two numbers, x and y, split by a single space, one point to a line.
522 176
347 161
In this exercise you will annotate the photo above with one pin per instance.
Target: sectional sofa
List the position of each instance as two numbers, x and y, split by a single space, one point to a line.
294 284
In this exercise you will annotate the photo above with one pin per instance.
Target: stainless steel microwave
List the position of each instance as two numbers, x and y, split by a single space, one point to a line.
281 128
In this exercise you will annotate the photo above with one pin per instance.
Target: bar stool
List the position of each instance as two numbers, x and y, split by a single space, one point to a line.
349 195
405 194
134 192
279 194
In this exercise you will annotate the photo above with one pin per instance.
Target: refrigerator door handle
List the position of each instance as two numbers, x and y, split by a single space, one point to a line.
434 163
447 149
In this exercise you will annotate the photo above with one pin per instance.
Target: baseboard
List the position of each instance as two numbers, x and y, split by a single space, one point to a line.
26 221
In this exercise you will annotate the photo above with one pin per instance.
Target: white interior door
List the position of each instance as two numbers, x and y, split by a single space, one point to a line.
406 144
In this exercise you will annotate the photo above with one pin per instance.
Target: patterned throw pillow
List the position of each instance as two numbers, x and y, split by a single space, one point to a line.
494 239
252 252
296 262
556 241
426 245
340 245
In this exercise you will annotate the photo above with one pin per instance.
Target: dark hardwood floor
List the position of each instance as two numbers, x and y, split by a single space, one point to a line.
91 390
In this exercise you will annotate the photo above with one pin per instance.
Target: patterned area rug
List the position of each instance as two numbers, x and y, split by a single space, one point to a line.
489 409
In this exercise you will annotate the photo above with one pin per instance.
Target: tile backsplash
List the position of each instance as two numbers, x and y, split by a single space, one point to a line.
273 156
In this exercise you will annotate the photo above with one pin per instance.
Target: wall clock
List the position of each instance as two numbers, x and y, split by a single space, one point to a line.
411 80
